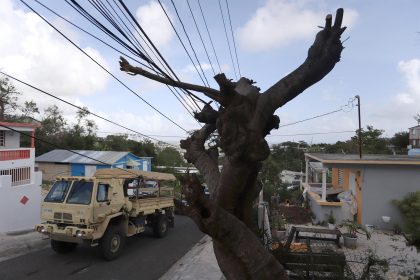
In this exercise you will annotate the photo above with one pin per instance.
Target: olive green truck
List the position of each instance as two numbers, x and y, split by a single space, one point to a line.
104 209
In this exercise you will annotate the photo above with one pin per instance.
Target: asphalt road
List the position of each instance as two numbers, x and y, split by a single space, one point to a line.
143 258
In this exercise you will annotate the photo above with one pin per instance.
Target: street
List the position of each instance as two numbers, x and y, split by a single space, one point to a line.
144 257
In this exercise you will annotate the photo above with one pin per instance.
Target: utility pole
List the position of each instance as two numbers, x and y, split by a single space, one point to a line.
360 126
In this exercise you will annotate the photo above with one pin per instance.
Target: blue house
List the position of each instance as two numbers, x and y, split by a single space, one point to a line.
85 163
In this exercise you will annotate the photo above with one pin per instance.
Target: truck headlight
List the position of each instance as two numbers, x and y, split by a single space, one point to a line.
79 233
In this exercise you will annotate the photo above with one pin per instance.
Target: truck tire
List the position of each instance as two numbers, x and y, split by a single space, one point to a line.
112 243
160 227
62 247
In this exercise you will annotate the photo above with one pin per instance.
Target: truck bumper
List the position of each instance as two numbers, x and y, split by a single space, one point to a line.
68 234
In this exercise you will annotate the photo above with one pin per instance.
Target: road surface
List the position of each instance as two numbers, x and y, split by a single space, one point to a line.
143 258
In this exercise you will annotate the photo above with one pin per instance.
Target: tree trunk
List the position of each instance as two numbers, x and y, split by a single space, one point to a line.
243 121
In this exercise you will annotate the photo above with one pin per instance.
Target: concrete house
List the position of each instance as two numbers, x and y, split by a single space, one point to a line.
414 140
360 189
20 184
62 162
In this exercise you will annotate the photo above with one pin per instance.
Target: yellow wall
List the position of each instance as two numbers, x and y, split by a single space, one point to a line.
335 178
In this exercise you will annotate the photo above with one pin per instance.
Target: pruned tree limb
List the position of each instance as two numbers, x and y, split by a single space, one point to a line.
322 57
200 157
209 92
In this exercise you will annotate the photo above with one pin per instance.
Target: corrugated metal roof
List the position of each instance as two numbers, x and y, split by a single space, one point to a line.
64 156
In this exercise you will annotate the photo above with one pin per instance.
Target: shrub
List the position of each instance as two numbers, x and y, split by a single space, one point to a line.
410 208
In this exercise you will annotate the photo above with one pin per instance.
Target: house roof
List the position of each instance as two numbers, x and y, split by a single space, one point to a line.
417 126
366 159
20 126
64 156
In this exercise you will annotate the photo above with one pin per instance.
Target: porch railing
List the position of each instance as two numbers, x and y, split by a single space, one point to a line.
6 155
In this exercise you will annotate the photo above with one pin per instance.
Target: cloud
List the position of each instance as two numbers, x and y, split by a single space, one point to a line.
153 20
281 22
411 72
35 53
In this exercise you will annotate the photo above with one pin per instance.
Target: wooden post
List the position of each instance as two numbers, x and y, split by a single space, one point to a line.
307 174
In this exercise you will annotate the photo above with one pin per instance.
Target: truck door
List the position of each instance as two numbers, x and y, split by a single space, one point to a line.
102 202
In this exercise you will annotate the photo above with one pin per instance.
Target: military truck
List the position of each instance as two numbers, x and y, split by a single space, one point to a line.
104 209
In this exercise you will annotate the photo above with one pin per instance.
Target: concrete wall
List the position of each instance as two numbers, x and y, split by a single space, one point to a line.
51 170
340 213
381 185
17 214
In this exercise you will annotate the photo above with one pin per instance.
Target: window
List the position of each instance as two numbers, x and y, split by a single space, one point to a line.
20 176
102 195
58 191
2 138
81 193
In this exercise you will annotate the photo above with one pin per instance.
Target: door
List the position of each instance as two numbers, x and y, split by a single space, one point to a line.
102 202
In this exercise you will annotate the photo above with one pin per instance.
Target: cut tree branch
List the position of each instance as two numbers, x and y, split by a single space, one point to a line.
200 157
209 92
322 57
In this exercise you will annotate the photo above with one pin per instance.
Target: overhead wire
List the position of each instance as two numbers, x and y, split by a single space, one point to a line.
106 70
158 52
201 38
106 11
208 33
233 38
93 36
312 133
227 39
182 43
80 108
112 47
189 41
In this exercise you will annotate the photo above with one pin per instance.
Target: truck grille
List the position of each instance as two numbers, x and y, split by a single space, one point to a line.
63 217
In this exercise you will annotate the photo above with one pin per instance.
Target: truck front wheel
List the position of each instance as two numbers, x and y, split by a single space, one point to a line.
62 247
160 227
112 243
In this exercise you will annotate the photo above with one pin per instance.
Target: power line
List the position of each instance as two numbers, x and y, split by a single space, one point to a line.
157 51
189 41
81 108
208 33
174 91
233 37
227 39
61 148
83 30
201 38
312 133
112 75
182 43
311 118
93 36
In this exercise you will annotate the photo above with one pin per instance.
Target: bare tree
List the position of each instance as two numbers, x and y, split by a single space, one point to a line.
244 119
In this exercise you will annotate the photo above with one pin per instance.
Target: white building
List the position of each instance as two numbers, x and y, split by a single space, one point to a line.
20 184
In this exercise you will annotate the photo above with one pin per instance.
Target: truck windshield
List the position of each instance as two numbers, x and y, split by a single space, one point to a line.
81 193
58 191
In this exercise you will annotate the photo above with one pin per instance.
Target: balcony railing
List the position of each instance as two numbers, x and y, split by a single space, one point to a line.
14 154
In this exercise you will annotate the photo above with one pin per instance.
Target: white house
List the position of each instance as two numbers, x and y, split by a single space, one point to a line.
20 184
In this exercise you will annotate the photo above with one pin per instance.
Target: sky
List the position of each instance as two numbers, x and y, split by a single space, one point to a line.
380 63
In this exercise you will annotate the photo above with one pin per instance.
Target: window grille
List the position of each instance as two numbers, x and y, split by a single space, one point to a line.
20 176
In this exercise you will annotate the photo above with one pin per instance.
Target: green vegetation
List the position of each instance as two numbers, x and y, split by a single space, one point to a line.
410 208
